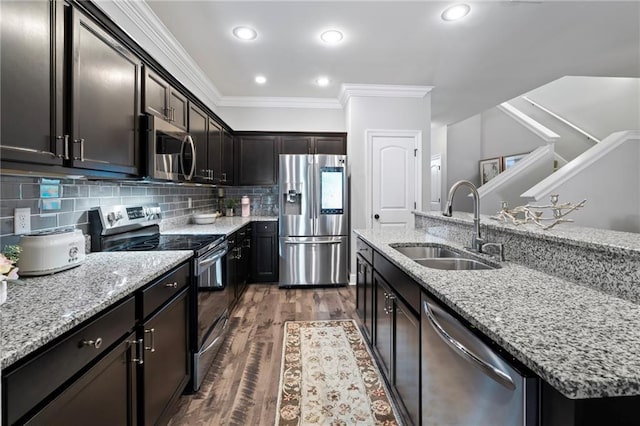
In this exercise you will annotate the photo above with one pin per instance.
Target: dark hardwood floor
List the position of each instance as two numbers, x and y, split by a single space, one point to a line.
241 387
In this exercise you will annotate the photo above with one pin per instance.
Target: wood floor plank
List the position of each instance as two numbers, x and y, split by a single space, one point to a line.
241 388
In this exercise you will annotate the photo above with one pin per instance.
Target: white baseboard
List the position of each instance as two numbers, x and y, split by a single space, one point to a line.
352 279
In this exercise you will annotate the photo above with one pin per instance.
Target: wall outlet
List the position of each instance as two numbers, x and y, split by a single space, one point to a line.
189 202
22 221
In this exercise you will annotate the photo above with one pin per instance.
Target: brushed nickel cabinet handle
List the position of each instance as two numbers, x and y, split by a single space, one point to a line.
91 343
137 343
65 147
151 332
172 285
81 142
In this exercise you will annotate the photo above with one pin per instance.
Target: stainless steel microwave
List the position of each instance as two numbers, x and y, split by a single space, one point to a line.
171 153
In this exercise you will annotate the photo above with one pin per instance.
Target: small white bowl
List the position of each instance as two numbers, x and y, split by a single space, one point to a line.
204 218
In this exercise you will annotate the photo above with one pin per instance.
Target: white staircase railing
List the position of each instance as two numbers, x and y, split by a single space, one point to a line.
543 132
562 120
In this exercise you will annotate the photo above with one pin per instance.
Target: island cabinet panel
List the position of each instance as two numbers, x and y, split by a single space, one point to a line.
365 297
256 160
31 58
105 84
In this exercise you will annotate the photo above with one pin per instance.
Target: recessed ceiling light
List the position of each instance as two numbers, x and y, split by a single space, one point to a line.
323 81
455 12
245 33
331 36
261 79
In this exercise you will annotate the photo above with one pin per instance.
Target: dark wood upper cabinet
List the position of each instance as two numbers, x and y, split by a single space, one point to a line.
256 160
198 129
296 145
330 145
105 100
313 144
31 59
214 151
227 155
162 100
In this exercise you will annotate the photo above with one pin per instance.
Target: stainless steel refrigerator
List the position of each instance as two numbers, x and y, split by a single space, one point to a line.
314 211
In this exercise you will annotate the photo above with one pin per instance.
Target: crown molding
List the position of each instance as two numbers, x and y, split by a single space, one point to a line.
347 91
279 102
138 17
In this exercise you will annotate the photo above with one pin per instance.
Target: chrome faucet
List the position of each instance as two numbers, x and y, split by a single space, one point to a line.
476 238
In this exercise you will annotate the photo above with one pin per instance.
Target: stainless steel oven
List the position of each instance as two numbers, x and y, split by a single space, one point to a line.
171 152
135 228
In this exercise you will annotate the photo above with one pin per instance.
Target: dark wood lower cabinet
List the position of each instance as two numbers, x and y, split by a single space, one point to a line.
383 325
365 297
406 358
104 395
264 256
165 370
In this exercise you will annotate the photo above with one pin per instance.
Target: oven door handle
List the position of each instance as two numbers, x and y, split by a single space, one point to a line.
216 256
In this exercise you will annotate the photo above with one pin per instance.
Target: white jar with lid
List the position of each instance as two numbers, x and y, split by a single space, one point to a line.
246 206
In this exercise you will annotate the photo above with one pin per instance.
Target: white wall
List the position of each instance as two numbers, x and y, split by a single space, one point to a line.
439 146
599 105
464 148
611 186
502 135
364 113
284 119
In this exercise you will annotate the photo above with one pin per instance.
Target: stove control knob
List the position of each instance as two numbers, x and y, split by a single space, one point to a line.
111 218
118 216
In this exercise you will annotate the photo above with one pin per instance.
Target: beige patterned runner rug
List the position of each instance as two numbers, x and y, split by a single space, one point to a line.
328 377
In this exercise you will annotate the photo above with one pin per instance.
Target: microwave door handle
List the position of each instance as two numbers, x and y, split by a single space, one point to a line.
189 140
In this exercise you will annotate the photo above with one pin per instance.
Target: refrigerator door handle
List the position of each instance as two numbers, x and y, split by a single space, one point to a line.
311 242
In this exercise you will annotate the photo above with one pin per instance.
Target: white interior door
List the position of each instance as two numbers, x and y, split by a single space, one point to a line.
393 179
436 182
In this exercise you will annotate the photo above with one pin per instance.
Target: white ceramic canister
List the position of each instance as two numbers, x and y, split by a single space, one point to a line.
246 206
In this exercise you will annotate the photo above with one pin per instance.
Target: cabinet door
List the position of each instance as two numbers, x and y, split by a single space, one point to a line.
361 298
156 94
198 129
330 145
383 324
296 145
104 395
264 260
406 359
230 271
178 107
256 160
214 151
227 156
369 291
31 52
106 96
165 371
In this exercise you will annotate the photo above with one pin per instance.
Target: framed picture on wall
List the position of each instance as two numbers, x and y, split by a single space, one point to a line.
511 160
489 168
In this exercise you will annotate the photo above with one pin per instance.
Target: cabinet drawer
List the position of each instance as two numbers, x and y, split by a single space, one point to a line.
163 289
27 386
401 283
266 227
364 250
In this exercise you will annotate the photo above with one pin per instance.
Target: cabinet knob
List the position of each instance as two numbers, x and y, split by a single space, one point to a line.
172 285
91 343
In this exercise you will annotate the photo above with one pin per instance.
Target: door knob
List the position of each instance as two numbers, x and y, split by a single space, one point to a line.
376 216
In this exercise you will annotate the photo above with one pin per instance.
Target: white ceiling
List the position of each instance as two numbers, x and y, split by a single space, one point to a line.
500 50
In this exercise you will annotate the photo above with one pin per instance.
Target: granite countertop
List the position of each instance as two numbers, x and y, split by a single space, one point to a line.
584 343
222 225
39 309
625 243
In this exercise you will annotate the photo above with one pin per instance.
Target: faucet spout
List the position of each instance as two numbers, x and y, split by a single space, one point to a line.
476 239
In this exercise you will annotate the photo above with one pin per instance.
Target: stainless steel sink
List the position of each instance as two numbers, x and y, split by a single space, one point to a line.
439 257
426 252
453 264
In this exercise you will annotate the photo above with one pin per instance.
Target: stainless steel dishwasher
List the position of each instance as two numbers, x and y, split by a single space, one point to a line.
465 382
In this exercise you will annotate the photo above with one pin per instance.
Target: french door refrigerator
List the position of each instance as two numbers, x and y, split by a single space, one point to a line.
313 218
